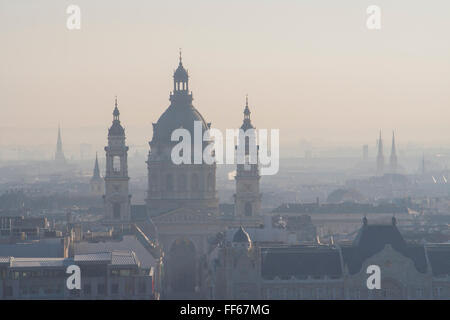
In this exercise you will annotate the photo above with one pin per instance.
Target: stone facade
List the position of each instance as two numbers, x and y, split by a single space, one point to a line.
408 271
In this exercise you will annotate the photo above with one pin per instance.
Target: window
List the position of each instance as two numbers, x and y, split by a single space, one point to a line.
101 288
116 210
419 293
87 289
169 182
115 273
182 182
115 288
195 182
129 288
116 164
248 209
142 288
8 291
154 182
125 273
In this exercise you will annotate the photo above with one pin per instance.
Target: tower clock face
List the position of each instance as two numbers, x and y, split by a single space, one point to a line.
248 187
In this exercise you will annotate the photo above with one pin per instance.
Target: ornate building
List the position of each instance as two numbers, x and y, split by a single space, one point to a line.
117 198
247 198
97 183
172 186
182 198
242 269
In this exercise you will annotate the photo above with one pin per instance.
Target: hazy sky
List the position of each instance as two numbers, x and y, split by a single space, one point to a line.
311 68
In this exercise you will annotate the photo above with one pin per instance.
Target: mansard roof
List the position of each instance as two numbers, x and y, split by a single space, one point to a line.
439 258
372 238
300 262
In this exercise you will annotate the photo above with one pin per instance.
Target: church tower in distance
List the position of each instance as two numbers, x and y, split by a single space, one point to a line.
117 198
247 198
60 159
97 183
380 157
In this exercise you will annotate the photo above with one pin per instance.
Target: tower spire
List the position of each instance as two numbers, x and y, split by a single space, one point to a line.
247 124
59 155
393 159
116 112
380 156
96 168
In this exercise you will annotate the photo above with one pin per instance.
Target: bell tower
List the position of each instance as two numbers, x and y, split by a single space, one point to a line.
247 199
117 198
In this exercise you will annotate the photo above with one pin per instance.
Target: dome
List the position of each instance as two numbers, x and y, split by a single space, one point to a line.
175 117
241 236
116 129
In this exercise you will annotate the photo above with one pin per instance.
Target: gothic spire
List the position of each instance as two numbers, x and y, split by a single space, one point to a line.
59 155
380 156
393 158
96 168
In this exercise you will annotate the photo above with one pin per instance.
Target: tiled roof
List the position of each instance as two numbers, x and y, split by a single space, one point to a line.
124 258
37 262
97 256
127 243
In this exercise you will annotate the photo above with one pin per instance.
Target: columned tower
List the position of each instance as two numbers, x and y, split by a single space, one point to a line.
393 164
380 157
117 198
247 198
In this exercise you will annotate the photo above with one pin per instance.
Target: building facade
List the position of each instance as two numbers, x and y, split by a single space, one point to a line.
245 270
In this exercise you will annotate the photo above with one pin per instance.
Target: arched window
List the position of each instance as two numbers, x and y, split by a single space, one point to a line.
169 182
182 182
195 182
116 164
248 209
116 210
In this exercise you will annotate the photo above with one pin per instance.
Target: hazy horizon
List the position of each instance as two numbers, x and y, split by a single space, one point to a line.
311 69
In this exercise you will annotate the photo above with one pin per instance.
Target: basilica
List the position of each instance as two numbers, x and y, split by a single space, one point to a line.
182 202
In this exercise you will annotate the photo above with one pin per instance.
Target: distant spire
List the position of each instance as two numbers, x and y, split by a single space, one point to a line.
423 163
59 155
116 112
380 157
181 59
247 124
393 159
96 168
